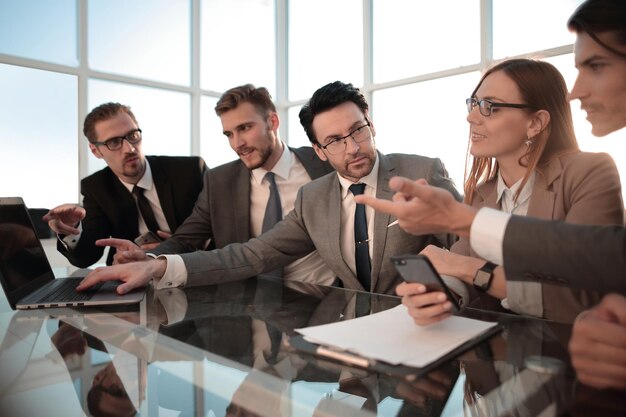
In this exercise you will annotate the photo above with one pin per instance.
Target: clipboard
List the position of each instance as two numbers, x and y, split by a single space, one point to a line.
300 344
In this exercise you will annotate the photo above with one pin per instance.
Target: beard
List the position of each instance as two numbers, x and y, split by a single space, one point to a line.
263 154
363 169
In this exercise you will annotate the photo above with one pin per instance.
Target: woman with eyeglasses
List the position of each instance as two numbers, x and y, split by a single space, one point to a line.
524 160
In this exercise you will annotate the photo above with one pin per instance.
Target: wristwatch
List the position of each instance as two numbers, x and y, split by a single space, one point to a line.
484 276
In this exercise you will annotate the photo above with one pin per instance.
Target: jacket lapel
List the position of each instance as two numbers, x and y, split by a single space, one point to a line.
381 220
165 192
240 195
543 199
333 217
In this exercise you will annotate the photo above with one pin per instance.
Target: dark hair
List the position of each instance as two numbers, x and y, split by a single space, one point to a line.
94 404
597 16
103 112
542 86
326 98
259 97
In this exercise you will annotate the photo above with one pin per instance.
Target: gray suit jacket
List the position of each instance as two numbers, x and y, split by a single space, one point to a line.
222 212
314 223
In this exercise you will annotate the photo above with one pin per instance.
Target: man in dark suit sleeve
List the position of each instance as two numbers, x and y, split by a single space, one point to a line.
170 185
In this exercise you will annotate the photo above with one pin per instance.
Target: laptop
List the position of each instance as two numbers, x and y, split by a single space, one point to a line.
25 273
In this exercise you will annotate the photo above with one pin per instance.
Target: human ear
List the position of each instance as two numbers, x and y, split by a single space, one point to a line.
95 151
320 152
539 121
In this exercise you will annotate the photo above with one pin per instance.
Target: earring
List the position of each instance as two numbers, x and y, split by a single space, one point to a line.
528 141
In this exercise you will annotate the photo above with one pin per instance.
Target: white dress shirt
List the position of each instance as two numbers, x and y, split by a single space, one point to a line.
290 175
487 236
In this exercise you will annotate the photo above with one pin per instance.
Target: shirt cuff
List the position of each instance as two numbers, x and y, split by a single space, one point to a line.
524 298
174 302
459 288
175 273
70 241
487 234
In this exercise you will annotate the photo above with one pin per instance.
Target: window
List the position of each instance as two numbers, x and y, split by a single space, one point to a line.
533 26
40 29
297 137
141 38
427 36
238 44
427 119
214 146
325 44
38 119
162 115
170 60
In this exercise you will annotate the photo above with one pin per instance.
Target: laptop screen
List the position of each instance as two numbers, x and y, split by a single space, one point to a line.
23 263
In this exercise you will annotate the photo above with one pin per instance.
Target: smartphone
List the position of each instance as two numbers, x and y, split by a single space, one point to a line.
417 268
148 237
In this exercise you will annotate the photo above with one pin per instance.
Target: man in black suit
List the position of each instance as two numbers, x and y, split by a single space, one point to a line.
589 257
133 195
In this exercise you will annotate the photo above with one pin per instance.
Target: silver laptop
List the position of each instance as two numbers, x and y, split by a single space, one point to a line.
26 276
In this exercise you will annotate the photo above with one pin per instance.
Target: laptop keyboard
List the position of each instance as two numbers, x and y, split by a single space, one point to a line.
66 292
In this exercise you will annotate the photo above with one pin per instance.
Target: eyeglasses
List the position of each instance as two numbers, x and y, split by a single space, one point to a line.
358 135
133 137
486 106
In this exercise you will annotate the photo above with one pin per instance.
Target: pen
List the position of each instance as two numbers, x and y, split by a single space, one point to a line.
393 223
344 357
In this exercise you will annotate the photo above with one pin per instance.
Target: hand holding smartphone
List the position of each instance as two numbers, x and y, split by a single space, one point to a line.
148 237
417 268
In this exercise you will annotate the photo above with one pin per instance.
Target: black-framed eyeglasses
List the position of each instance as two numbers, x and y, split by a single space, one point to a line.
133 137
358 135
486 106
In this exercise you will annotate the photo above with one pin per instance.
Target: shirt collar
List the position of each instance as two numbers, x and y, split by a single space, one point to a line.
281 169
524 194
370 180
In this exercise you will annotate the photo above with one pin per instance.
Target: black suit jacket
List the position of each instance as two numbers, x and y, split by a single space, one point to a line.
223 209
112 212
579 256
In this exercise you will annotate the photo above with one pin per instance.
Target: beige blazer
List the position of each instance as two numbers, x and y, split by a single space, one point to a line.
578 188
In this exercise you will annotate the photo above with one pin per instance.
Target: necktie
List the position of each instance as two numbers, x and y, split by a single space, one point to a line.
273 213
361 247
145 209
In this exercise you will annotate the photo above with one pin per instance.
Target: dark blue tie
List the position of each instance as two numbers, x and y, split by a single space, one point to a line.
145 209
361 247
273 213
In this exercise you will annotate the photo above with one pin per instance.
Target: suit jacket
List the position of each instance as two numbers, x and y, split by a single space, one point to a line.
577 256
222 212
579 188
314 223
112 212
